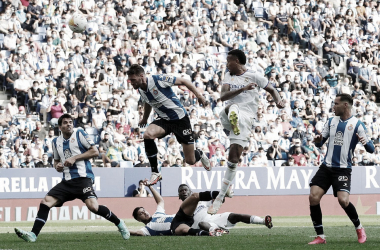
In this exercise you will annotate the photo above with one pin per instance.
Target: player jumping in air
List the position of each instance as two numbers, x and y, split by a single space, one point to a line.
156 92
72 151
344 132
240 90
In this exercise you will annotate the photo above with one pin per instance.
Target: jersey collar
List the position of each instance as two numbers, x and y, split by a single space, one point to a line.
345 120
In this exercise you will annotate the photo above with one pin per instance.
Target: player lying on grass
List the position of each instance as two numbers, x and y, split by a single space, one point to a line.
160 224
224 221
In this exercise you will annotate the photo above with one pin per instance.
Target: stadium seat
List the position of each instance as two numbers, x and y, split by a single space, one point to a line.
223 49
37 38
41 31
270 163
213 50
126 164
1 41
278 163
94 138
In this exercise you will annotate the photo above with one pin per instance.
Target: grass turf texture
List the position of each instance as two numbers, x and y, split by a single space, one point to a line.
287 233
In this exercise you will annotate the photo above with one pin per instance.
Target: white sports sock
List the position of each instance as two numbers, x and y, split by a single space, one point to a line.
359 227
257 220
228 178
322 236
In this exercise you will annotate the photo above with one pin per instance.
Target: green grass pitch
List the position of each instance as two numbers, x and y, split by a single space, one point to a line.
287 233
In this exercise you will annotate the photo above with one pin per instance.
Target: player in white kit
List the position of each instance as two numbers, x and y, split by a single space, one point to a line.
240 90
224 221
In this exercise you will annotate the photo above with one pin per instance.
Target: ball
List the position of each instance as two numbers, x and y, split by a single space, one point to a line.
77 23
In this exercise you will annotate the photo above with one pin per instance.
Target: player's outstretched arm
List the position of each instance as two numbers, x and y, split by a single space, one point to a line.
157 197
191 87
228 94
91 153
276 96
137 233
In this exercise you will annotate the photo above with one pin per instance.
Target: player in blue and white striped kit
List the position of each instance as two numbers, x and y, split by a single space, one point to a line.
156 92
72 151
344 132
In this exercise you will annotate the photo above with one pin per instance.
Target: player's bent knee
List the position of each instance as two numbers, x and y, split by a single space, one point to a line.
314 199
49 201
343 202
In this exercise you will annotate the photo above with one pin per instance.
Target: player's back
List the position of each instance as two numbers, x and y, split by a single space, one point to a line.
249 97
160 223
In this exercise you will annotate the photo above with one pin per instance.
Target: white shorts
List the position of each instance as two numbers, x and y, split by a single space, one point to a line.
245 125
220 221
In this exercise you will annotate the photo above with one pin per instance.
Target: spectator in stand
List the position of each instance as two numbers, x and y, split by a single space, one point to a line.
142 163
56 109
274 152
299 158
28 163
44 163
5 117
141 191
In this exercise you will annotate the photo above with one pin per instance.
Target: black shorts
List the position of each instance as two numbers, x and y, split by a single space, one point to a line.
78 188
338 178
179 219
180 128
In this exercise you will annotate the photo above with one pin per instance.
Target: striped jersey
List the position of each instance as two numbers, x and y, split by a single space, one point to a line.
343 140
78 143
161 97
249 97
160 223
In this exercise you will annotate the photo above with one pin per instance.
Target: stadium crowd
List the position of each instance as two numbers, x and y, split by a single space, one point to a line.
309 50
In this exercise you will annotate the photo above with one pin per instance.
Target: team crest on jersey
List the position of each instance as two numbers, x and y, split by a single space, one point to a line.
351 127
338 139
67 154
155 91
72 140
246 79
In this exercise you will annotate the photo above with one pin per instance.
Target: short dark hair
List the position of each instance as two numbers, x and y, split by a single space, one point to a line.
63 117
346 98
135 211
135 69
239 54
184 185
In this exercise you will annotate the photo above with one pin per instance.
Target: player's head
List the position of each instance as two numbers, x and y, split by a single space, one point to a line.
136 75
141 215
235 59
65 124
184 191
342 104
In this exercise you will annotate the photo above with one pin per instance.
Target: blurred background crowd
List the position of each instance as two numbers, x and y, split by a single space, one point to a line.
309 50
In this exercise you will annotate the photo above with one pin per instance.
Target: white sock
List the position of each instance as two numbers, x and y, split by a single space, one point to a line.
228 178
359 227
321 235
257 220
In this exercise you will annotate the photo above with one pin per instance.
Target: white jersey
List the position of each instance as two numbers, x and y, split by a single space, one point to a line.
217 220
160 223
248 98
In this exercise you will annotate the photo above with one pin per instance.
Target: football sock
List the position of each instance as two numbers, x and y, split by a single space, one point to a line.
228 178
198 155
352 214
107 214
197 232
151 152
41 218
316 218
208 195
256 220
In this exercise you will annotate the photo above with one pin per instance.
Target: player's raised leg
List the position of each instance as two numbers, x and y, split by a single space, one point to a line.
193 156
233 158
349 208
315 196
42 215
152 132
93 206
233 118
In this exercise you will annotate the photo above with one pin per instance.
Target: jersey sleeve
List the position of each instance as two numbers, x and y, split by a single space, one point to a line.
362 132
164 80
326 129
160 210
227 78
145 231
54 148
85 139
261 81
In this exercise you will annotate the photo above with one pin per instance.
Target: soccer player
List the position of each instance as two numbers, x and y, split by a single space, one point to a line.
344 131
156 92
72 151
160 224
240 90
224 221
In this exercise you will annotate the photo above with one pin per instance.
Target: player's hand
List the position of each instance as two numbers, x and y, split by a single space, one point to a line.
281 104
318 139
69 162
59 167
361 139
146 183
143 123
203 101
250 86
